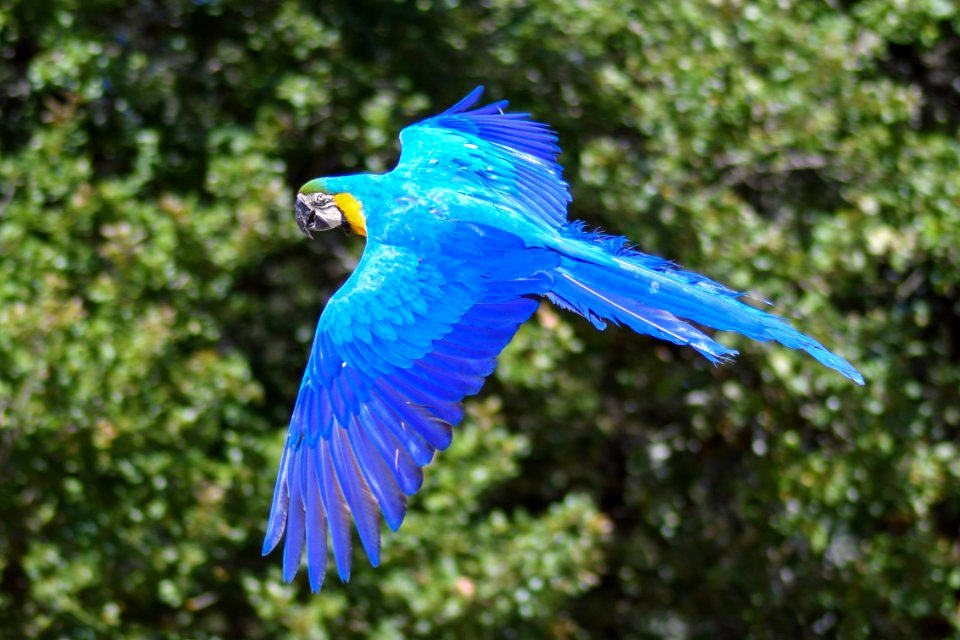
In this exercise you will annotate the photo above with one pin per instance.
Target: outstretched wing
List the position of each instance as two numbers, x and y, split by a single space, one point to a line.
411 332
503 158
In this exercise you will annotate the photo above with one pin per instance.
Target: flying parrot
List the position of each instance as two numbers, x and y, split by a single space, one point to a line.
463 239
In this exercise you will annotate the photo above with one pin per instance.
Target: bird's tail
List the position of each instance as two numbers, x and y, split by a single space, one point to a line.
604 280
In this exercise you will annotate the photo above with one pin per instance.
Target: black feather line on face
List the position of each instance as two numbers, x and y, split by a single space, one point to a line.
317 212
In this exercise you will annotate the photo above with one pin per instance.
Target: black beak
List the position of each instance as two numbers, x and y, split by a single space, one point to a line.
317 212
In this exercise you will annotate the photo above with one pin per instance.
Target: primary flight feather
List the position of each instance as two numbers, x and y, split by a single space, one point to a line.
464 237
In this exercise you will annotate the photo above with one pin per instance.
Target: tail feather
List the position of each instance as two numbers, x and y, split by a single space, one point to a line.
598 306
603 280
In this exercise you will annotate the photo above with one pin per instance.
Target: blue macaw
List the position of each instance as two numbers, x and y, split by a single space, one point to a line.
463 239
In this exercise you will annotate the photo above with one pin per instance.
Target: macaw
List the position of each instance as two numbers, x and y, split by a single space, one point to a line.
463 239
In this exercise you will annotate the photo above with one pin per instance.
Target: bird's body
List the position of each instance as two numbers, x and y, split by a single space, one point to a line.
464 238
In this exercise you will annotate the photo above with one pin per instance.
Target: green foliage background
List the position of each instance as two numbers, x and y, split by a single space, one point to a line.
157 303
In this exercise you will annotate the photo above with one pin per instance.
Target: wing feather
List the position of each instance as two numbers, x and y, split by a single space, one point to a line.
394 453
419 449
335 508
359 498
378 477
317 534
494 156
293 548
383 389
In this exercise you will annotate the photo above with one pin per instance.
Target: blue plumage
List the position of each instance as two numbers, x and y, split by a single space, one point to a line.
465 236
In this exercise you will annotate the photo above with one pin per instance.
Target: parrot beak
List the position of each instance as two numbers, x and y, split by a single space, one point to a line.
317 212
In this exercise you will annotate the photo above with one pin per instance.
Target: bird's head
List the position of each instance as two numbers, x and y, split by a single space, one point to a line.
320 206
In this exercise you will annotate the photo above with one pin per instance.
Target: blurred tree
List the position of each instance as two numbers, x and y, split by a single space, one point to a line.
156 306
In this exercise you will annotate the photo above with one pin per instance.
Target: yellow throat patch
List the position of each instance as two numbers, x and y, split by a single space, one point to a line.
352 212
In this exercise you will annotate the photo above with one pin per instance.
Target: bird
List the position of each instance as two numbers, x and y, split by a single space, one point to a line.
464 238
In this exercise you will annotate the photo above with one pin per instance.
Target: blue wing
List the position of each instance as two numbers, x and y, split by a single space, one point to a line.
396 350
502 158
